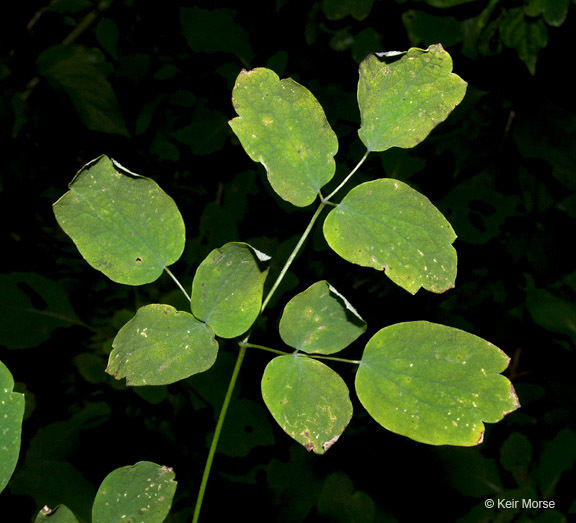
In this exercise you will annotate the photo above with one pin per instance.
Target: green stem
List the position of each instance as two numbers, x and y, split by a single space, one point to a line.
217 432
352 172
269 349
244 343
293 255
301 354
178 283
334 358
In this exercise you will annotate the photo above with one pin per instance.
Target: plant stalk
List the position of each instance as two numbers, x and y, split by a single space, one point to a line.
217 432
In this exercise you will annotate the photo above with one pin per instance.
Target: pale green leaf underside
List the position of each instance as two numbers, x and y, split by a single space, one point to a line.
404 96
308 400
282 126
434 384
387 225
227 289
11 414
319 320
141 492
123 225
161 345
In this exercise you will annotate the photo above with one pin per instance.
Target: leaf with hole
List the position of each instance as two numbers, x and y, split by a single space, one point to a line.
281 125
161 345
227 288
123 224
11 414
387 225
403 96
309 400
320 320
433 383
141 492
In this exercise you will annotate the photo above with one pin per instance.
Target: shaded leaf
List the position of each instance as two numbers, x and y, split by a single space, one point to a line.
320 320
434 384
60 514
516 457
403 96
50 483
247 426
161 345
11 413
337 9
526 35
558 456
308 400
340 502
123 224
282 126
139 493
227 288
32 306
214 30
79 73
387 225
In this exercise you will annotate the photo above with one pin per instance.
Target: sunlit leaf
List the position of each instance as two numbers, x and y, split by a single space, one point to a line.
282 126
123 224
434 384
387 225
138 493
320 320
11 414
403 96
161 345
308 400
227 288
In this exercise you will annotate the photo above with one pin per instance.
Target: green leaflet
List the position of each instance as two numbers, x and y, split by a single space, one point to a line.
282 126
227 288
11 414
387 225
434 384
320 320
123 224
161 345
139 493
308 400
403 96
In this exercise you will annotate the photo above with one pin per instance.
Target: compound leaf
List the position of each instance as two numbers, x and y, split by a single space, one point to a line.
434 384
11 414
387 225
403 96
227 288
141 492
123 224
161 345
308 400
282 126
320 320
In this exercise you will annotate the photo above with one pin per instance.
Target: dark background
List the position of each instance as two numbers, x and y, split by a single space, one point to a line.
149 84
